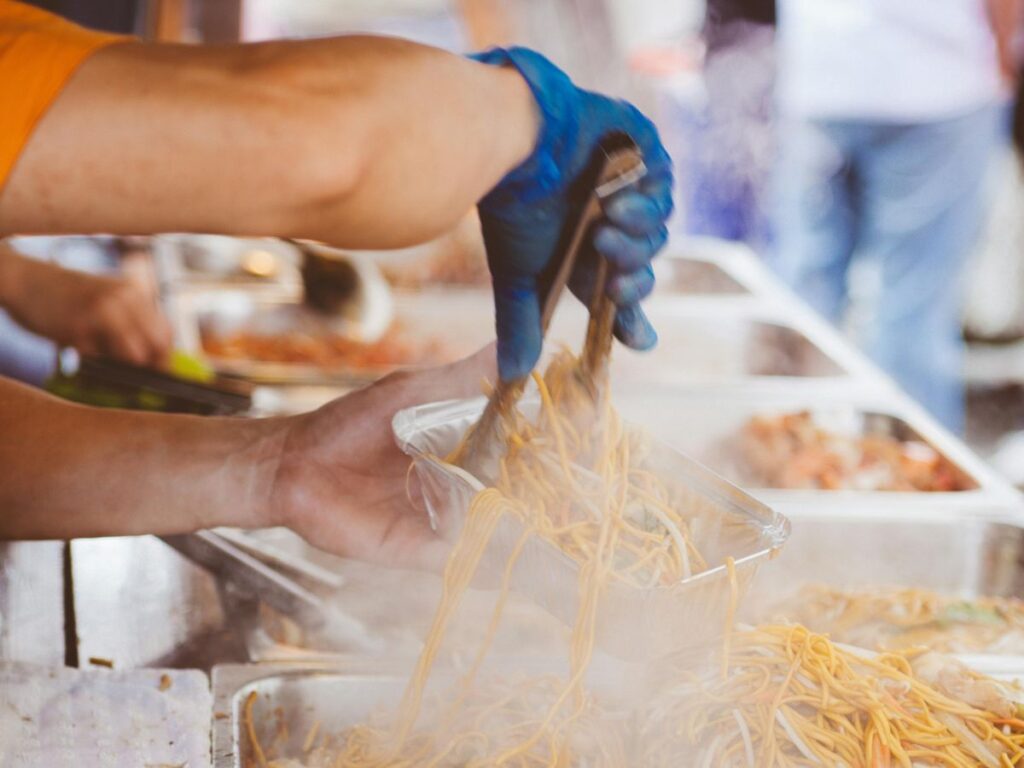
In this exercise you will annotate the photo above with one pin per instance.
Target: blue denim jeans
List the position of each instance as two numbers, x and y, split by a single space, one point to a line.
911 197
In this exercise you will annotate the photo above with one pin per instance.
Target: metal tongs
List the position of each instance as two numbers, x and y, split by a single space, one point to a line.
615 164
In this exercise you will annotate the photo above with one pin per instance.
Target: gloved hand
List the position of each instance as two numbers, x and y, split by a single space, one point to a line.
524 216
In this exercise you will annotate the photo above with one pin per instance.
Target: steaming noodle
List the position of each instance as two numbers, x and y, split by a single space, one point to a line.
574 477
571 478
782 696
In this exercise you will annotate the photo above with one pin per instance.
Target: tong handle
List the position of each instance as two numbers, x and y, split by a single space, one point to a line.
615 164
623 166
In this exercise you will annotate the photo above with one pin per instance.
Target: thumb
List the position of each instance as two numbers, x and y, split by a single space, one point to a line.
517 321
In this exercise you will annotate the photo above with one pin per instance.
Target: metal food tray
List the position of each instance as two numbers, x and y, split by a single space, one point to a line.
946 551
699 343
678 273
702 424
459 324
338 695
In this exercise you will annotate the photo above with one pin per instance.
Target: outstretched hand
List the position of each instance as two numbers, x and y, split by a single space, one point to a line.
95 314
341 481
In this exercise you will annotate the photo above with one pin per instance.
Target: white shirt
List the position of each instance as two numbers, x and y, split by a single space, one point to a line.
898 60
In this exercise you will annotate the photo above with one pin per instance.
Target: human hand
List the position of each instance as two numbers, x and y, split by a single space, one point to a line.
524 216
342 482
95 314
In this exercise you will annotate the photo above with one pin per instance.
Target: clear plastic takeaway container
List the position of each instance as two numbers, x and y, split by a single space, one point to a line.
633 623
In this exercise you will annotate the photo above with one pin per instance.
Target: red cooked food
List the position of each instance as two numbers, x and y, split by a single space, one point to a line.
791 451
324 350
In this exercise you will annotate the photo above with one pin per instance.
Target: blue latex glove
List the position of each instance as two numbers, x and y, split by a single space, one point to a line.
524 216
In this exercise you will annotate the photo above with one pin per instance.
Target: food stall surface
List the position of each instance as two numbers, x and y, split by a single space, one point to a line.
67 718
32 602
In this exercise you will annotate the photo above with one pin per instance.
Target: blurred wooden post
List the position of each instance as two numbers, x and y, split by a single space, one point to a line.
166 20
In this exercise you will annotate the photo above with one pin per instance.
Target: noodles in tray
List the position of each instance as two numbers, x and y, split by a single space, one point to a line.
795 698
576 478
893 618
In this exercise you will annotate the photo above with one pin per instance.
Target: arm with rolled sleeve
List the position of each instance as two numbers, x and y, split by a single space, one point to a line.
358 141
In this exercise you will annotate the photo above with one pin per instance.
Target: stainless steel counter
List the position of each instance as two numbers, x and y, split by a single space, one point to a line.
32 602
138 603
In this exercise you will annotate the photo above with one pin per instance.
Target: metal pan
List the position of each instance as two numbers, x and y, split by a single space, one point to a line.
946 551
333 695
706 424
291 698
427 330
678 274
701 343
698 344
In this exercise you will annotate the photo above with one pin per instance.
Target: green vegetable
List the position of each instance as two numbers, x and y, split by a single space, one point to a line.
966 612
189 367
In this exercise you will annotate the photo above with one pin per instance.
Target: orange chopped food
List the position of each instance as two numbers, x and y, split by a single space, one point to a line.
792 451
325 350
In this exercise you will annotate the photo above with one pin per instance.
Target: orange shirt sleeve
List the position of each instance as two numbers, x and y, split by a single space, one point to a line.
38 54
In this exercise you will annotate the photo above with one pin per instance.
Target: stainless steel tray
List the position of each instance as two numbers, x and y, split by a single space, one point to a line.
704 423
698 342
294 702
337 696
677 273
946 551
457 324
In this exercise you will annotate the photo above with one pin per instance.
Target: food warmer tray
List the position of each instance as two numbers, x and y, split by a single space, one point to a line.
678 273
423 320
699 343
338 695
946 551
703 422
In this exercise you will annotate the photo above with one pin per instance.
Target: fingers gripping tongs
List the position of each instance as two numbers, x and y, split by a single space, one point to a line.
615 164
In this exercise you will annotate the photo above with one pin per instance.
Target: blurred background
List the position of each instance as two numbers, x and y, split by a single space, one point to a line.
862 148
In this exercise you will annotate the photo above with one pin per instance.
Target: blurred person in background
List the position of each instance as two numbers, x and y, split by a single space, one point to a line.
731 171
889 113
96 314
362 142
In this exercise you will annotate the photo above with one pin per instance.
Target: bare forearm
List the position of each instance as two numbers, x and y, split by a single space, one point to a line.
68 471
363 142
1005 17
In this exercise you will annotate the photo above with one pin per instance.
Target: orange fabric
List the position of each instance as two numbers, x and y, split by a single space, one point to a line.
38 54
